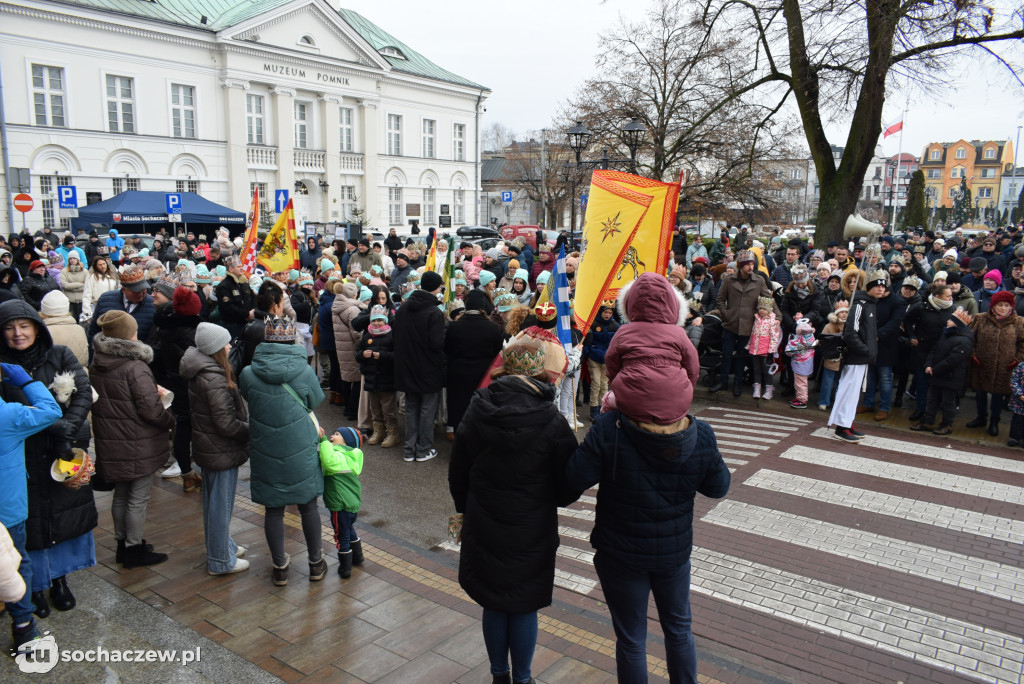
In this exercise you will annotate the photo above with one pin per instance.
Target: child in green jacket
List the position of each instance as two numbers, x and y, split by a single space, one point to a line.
342 461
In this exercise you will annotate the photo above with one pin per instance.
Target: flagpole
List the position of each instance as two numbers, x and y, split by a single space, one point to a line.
896 178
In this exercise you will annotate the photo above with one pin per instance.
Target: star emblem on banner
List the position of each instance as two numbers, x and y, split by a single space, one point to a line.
610 227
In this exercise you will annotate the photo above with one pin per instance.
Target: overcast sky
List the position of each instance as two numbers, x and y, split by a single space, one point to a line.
533 54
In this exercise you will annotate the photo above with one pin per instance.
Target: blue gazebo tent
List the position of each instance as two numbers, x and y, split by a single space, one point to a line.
145 211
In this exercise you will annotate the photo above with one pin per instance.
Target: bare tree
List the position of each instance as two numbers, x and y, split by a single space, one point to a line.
553 173
497 137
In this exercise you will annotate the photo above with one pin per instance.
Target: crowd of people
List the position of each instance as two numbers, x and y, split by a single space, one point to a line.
173 361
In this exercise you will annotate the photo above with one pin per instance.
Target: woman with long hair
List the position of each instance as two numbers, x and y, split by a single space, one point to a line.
220 441
72 283
102 278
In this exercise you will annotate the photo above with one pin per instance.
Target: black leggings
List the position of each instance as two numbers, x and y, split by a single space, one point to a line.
350 391
273 527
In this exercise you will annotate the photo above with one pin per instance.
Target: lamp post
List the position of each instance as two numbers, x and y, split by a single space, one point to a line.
579 137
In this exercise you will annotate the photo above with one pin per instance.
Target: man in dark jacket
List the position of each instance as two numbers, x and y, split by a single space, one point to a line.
392 243
419 365
132 298
889 314
235 300
947 367
401 272
860 335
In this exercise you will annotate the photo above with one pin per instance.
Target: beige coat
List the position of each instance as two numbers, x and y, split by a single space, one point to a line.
12 586
66 331
73 283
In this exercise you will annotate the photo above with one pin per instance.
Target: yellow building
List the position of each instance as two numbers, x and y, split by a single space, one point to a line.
980 162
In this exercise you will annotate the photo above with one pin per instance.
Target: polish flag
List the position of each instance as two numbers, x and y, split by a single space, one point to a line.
894 127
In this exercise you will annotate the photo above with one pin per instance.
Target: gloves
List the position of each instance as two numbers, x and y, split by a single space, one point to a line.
975 361
15 375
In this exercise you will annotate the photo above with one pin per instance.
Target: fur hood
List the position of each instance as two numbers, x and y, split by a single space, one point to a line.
853 280
653 289
127 349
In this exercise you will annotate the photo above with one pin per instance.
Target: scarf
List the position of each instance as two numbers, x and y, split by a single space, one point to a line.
939 304
378 330
30 359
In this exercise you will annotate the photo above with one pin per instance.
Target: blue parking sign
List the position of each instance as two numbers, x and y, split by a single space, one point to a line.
67 197
174 203
506 196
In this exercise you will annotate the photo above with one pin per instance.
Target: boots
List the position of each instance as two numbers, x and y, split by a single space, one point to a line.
757 390
138 557
720 384
378 434
318 570
978 422
769 392
993 427
61 595
595 411
737 385
391 439
191 481
42 608
119 555
357 552
336 399
344 564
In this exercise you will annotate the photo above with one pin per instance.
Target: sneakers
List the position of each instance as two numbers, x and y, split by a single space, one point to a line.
427 456
241 565
173 471
845 435
822 407
318 570
241 551
797 404
408 459
856 433
280 574
23 635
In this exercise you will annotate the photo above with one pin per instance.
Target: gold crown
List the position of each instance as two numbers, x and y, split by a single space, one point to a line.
522 359
608 303
765 303
129 275
279 329
546 312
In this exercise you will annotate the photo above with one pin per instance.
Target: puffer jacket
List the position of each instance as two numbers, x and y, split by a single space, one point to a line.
174 335
220 423
861 331
346 339
925 324
997 343
34 287
378 373
283 441
1017 389
66 332
949 356
965 298
737 302
18 421
648 483
765 336
130 422
890 312
327 343
72 282
114 301
600 335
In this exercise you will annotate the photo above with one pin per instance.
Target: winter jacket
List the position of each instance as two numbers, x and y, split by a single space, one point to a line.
72 283
114 301
34 287
173 334
890 311
470 346
66 332
997 344
234 300
346 339
325 321
419 344
18 421
810 303
540 265
1017 390
365 261
950 356
220 423
861 331
965 298
737 302
697 249
378 373
595 345
925 325
283 441
131 425
832 329
114 245
652 365
305 308
510 496
648 481
765 336
95 287
343 491
982 297
398 278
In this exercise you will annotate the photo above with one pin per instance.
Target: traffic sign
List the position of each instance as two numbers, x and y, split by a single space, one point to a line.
174 218
173 203
280 200
67 197
506 196
23 202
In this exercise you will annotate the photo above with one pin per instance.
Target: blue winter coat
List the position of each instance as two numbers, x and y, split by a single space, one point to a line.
283 442
326 324
114 301
595 346
648 484
18 421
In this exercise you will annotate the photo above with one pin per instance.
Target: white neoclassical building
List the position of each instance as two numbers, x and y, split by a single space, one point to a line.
220 96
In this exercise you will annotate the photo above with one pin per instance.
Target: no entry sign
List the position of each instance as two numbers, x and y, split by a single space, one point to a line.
23 202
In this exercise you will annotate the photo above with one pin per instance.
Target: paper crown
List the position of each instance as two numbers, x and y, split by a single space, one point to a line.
522 359
842 305
279 329
546 312
232 261
765 303
129 275
607 303
912 281
877 278
378 313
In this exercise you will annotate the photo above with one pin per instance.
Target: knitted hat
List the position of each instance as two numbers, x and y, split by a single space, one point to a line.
377 270
504 300
800 274
281 330
403 255
765 303
995 275
951 252
493 253
166 286
486 278
543 277
378 313
232 261
977 264
430 281
143 253
202 274
365 294
118 324
35 264
744 257
1003 296
941 275
479 301
210 337
352 437
512 266
877 278
837 274
55 303
953 278
521 274
255 282
186 302
221 271
133 277
151 265
523 359
678 272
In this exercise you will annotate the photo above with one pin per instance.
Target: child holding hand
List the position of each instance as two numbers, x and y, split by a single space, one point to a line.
342 460
765 336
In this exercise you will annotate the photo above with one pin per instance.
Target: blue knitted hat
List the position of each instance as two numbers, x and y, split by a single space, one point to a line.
352 437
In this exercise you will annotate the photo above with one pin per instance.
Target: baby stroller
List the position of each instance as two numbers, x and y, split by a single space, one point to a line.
709 350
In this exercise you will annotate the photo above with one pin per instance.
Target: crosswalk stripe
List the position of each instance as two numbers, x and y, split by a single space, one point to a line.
960 484
954 455
735 461
592 500
943 642
735 452
760 414
573 532
745 445
577 513
946 517
967 572
721 425
743 437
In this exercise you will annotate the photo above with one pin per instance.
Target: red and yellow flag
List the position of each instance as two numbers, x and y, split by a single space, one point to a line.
627 231
280 250
248 253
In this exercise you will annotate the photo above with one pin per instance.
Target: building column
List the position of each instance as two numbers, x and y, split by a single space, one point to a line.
284 132
332 161
371 176
237 139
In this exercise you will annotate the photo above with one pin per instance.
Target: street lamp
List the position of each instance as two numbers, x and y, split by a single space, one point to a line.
579 137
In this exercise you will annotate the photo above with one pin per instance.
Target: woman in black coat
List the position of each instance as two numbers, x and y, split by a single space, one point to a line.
470 346
924 327
60 519
507 478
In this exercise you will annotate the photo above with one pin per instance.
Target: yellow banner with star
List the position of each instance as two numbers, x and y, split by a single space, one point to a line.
627 231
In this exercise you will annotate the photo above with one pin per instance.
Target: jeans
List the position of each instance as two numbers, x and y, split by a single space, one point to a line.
733 342
626 591
273 528
183 440
995 405
21 610
128 509
344 524
828 384
218 504
566 395
510 634
882 377
922 382
420 410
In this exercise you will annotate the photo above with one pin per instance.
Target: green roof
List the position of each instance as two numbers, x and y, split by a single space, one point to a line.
223 14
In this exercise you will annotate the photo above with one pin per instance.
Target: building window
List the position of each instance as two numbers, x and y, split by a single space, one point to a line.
795 174
348 202
953 191
254 119
961 153
48 95
301 189
985 193
345 117
460 207
990 153
266 203
429 208
118 185
395 206
876 190
934 173
47 186
120 104
957 172
186 186
121 183
934 154
183 111
988 173
429 125
301 125
394 135
459 142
